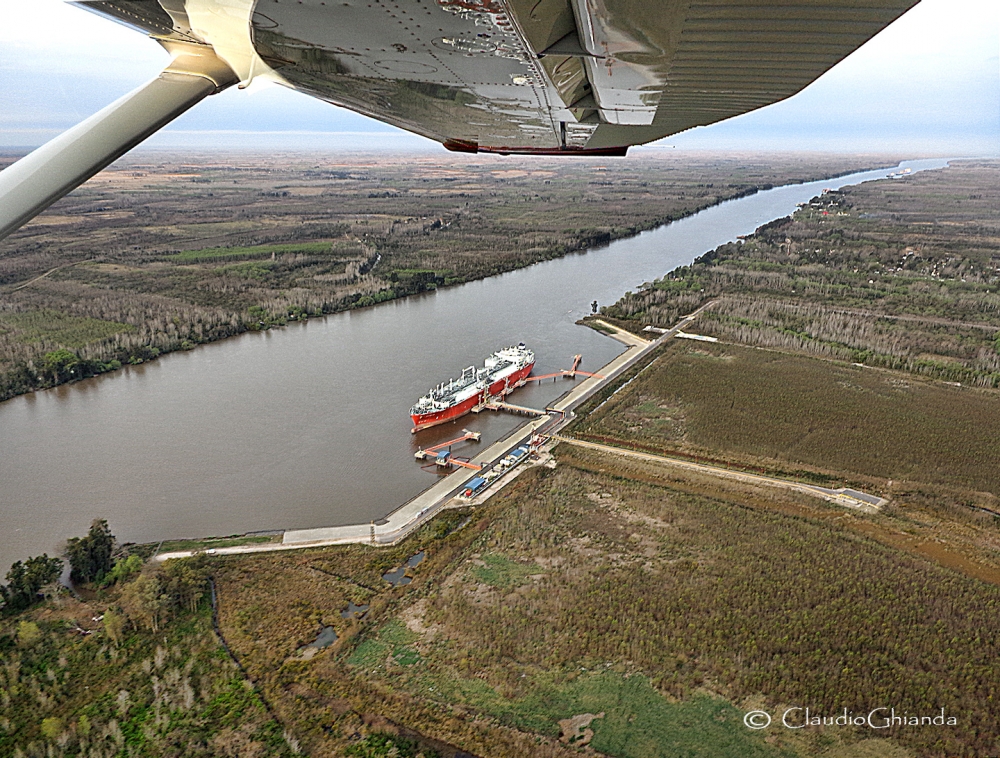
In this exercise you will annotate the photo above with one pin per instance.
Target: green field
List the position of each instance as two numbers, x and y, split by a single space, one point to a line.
63 329
745 405
637 721
393 639
503 573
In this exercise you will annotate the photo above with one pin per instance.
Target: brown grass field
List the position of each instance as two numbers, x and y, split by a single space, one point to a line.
804 416
671 604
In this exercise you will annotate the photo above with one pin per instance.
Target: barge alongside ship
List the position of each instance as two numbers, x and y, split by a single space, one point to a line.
501 373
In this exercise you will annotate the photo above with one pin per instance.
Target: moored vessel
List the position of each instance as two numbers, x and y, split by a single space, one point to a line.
500 374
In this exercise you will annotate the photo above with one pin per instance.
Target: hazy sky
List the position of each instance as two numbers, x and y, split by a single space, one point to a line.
929 84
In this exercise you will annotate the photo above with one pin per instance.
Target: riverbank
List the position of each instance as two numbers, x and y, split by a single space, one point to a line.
82 303
579 606
413 514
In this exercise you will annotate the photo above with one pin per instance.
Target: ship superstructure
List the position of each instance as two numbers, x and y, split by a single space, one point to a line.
501 373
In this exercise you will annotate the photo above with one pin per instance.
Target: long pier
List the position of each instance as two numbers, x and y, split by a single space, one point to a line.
417 511
500 405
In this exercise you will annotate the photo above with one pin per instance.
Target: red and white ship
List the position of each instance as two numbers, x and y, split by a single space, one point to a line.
501 373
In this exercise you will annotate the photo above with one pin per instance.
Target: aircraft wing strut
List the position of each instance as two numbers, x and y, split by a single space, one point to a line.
36 181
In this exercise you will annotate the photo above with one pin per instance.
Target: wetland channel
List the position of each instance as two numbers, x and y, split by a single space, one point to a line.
308 425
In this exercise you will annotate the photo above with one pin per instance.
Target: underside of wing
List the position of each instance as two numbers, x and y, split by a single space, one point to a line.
506 76
559 75
546 76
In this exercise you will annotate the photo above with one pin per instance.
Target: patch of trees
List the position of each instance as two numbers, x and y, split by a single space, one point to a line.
71 690
54 368
157 594
93 556
862 287
26 581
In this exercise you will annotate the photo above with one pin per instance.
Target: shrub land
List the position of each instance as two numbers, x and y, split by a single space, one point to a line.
603 604
131 668
583 606
153 257
806 417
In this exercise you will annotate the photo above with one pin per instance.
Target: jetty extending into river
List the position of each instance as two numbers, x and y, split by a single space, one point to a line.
444 494
417 511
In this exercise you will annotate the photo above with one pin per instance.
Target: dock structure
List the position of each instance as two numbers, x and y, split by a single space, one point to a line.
434 450
465 464
576 363
497 403
567 373
410 516
500 405
446 460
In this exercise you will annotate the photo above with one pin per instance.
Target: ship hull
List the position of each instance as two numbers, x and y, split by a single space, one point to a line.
500 387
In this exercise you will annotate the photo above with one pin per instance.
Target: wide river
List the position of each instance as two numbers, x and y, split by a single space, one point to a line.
308 425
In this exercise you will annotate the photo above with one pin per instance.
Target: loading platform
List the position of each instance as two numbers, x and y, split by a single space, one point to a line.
433 451
445 459
569 373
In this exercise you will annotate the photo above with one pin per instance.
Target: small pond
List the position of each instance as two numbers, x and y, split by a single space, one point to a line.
398 576
326 637
354 611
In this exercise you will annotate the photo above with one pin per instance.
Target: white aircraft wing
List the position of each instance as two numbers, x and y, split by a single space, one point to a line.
505 76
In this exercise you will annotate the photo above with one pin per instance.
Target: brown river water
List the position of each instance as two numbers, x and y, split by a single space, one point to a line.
308 425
